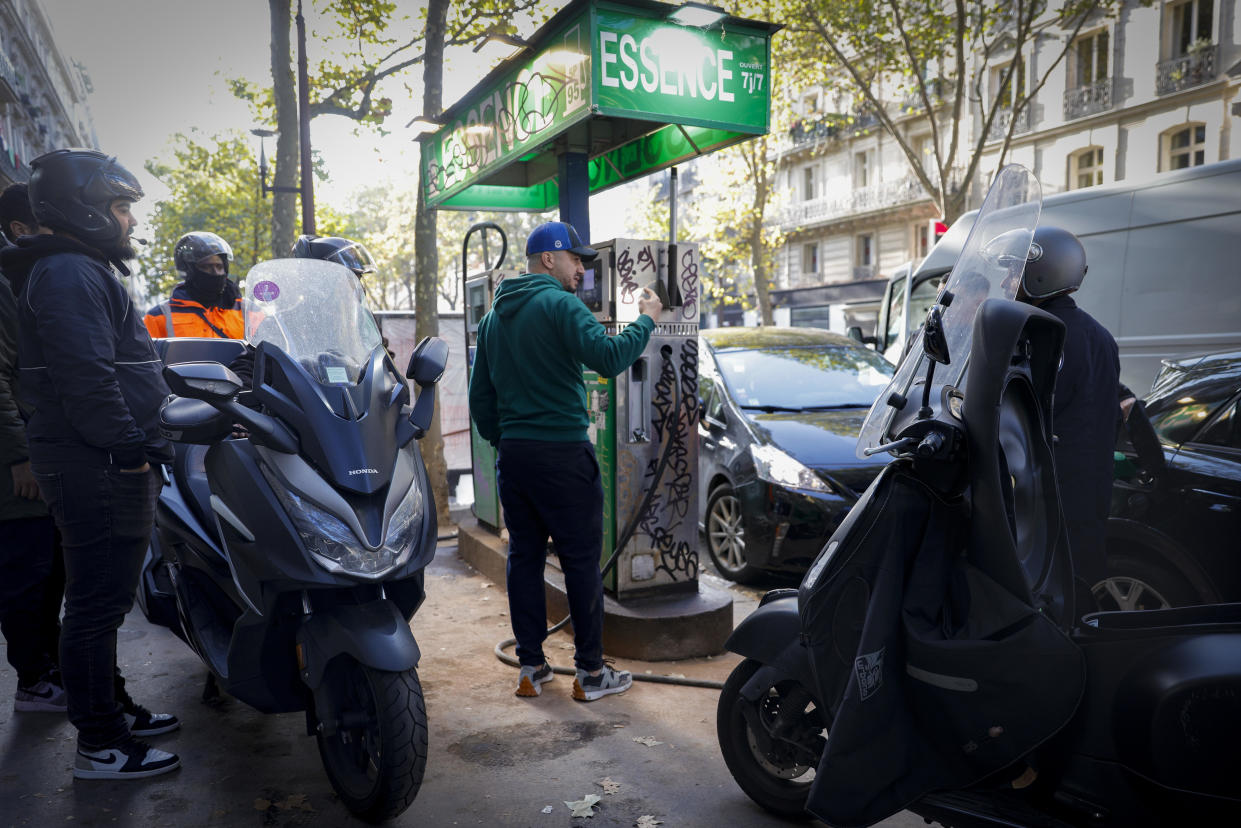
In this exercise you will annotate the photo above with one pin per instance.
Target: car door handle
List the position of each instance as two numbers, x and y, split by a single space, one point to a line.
1217 501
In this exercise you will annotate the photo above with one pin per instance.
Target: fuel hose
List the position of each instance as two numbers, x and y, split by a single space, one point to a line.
665 454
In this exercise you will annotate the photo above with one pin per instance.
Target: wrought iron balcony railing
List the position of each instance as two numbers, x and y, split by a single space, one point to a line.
1090 99
999 126
1186 71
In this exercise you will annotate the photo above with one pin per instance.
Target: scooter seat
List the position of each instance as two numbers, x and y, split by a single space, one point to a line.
1183 619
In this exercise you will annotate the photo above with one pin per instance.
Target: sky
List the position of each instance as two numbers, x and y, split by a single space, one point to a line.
160 67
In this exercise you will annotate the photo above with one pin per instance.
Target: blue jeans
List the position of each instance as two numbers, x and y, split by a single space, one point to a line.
105 520
553 490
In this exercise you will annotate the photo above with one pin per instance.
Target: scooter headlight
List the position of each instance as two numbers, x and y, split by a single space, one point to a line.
333 543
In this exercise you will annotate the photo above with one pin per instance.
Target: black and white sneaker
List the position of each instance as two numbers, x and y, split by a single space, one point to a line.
130 760
143 722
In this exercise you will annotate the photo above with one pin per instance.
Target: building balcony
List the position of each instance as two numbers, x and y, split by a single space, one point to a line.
938 91
1090 99
811 131
10 88
1186 71
1004 117
10 172
896 193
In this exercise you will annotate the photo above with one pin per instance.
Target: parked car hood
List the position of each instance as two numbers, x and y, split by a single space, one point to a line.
818 439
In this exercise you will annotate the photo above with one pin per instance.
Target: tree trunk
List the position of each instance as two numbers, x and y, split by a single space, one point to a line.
759 258
426 252
284 205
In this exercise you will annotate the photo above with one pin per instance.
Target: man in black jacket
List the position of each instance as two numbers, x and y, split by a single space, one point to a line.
91 376
1085 415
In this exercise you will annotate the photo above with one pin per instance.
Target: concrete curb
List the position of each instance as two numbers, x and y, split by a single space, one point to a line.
663 628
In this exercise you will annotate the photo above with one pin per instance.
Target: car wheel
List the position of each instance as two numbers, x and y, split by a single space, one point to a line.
1134 583
726 541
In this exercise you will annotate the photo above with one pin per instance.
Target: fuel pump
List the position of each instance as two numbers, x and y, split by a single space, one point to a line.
645 415
480 291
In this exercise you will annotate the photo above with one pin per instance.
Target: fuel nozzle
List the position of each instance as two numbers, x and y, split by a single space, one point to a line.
658 288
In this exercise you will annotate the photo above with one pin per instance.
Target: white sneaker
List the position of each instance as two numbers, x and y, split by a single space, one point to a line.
129 760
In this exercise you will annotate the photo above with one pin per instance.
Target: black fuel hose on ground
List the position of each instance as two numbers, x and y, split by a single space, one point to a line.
669 436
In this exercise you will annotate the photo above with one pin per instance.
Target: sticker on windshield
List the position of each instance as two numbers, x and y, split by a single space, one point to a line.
335 373
266 291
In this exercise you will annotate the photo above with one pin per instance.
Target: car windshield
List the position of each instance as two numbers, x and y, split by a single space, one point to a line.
1181 420
800 378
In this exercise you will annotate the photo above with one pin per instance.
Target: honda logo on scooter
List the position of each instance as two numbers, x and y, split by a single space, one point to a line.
363 471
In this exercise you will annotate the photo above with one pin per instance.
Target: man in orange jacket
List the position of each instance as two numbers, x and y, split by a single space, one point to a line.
206 303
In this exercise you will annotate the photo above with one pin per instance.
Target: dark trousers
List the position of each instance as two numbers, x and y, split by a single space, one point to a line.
32 581
553 490
105 520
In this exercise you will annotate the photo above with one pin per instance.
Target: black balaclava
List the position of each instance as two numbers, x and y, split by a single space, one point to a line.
207 289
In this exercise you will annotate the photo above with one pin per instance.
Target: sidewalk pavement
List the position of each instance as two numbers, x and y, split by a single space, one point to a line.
495 760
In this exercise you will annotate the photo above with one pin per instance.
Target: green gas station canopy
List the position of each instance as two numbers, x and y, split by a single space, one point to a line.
618 81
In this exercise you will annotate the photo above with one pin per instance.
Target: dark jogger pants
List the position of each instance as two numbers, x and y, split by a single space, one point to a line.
553 490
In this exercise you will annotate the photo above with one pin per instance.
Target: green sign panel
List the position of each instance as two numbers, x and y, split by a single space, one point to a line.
632 89
680 75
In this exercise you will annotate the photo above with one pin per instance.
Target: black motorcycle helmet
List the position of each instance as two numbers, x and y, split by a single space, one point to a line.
192 248
1056 264
73 190
351 254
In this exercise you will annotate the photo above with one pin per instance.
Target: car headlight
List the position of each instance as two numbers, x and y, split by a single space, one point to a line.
775 466
330 540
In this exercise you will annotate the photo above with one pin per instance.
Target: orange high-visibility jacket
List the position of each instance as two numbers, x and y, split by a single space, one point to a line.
183 316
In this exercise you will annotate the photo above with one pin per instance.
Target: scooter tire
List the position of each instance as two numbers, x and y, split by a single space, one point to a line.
786 797
376 769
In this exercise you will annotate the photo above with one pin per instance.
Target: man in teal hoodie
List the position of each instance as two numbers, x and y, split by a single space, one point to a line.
528 398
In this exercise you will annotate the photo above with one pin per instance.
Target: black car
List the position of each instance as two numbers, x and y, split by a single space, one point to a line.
781 410
1173 536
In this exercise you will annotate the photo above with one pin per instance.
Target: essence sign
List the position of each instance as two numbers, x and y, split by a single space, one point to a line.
607 63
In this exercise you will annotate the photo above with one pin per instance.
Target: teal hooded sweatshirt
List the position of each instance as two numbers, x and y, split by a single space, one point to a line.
526 382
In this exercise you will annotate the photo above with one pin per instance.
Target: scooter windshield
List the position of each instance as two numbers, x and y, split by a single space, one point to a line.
990 265
315 312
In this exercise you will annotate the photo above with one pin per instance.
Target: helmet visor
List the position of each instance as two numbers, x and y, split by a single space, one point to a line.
355 257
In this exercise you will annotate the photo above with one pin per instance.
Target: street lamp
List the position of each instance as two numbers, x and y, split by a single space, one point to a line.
262 135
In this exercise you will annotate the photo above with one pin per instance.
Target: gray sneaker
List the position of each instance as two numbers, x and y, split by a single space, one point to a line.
44 696
588 688
530 680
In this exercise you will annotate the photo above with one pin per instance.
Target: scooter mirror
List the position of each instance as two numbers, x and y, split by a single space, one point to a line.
207 381
427 362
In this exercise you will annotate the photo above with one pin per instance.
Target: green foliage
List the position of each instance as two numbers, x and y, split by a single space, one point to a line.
214 186
384 222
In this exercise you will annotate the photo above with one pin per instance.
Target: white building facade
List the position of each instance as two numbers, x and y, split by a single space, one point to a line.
1153 89
43 95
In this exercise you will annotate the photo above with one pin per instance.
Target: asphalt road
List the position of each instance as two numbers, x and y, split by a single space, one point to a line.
495 760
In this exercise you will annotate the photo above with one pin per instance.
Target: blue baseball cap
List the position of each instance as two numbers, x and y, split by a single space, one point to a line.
557 235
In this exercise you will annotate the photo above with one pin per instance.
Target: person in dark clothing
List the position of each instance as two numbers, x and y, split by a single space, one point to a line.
206 303
91 377
1086 417
32 571
527 397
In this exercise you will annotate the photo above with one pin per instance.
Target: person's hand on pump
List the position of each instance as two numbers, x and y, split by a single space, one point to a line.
649 304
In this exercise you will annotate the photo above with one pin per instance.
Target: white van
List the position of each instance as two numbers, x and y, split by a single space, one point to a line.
1164 260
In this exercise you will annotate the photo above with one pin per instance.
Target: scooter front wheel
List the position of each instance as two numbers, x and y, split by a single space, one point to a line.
772 745
374 744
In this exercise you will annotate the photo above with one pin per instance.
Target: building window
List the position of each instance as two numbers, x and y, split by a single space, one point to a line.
1090 59
807 184
922 240
1008 89
1086 168
861 169
1184 147
810 258
1188 22
864 256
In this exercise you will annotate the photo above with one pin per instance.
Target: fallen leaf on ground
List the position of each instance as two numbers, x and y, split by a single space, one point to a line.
584 807
648 821
609 787
548 809
649 741
262 804
294 801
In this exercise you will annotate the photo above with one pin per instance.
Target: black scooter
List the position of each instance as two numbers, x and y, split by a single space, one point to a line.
292 560
932 658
